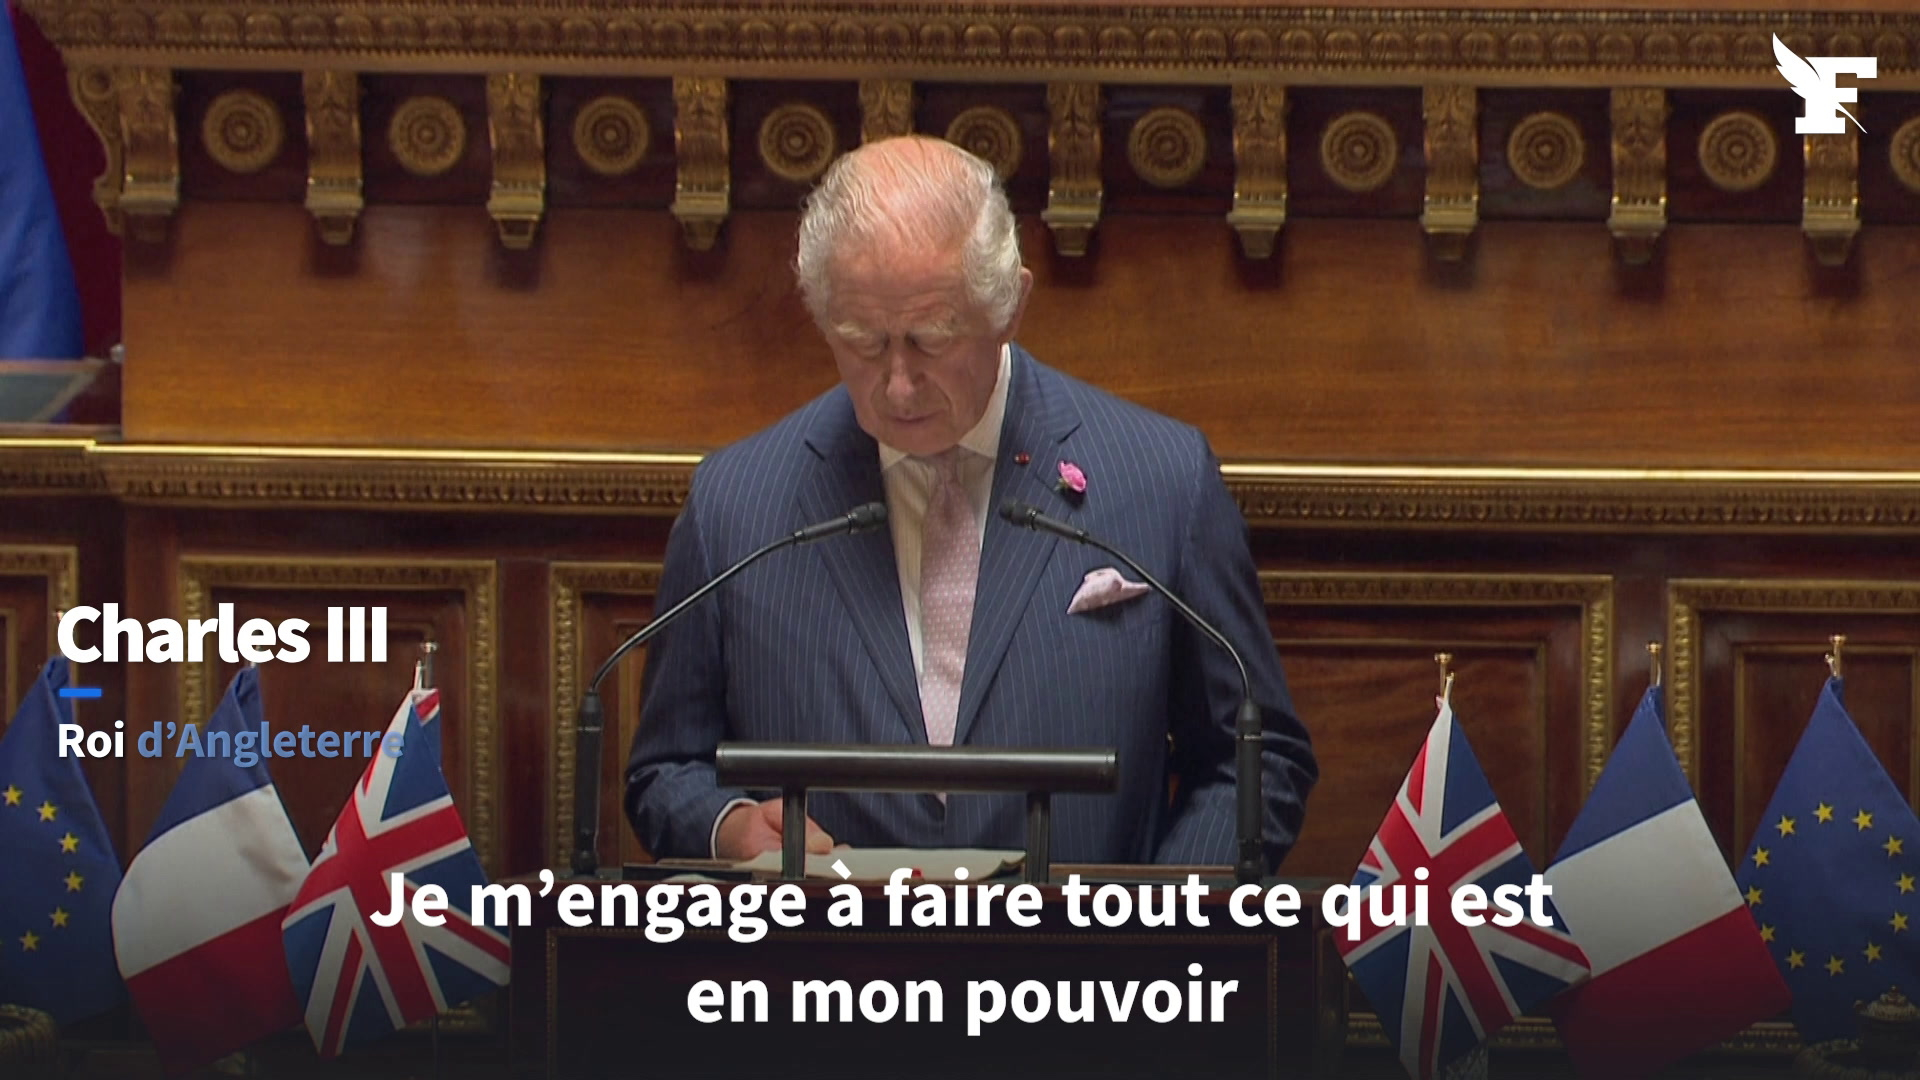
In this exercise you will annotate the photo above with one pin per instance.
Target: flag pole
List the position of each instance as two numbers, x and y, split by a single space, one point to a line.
1838 641
1473 1066
1653 665
423 680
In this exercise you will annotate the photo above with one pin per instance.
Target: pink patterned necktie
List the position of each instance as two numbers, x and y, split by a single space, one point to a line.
949 571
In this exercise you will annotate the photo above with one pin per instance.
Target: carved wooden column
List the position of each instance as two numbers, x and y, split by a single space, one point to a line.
150 139
1830 203
1073 152
334 195
1452 206
1639 213
886 108
519 192
703 187
1259 167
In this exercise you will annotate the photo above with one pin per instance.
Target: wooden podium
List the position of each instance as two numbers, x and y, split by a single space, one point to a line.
601 1001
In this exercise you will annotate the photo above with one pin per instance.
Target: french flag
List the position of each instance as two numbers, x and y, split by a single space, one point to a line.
196 923
1678 964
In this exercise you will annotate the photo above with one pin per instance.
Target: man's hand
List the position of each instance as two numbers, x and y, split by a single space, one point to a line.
748 831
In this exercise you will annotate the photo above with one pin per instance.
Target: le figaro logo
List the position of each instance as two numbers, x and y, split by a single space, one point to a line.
1816 78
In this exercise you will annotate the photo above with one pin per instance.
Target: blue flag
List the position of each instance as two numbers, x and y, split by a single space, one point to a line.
39 303
1831 874
58 872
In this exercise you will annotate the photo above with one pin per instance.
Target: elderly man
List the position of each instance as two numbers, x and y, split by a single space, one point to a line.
952 627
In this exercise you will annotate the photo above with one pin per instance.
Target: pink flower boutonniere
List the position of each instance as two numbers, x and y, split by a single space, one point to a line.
1072 482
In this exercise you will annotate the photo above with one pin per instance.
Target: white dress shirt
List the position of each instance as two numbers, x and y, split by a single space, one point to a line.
909 487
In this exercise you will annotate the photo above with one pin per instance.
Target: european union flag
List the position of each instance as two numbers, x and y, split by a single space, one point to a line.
1831 877
39 303
58 872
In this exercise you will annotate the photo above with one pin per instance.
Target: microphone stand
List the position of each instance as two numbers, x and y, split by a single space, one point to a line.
1250 865
590 718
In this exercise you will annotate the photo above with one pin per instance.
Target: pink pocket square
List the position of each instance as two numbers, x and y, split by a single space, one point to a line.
1102 587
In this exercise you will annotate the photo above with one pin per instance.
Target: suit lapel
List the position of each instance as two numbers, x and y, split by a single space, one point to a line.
862 567
1011 560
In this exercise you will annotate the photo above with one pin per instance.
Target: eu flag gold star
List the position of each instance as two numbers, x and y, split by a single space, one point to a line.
48 811
1904 883
1823 813
1753 895
1766 932
1760 856
60 917
30 942
1835 965
1872 952
1785 825
1796 958
74 881
1863 820
69 844
11 796
1898 922
1892 846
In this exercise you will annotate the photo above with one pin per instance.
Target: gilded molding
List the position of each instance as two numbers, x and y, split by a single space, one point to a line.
242 131
1830 201
1073 151
567 584
1167 147
150 140
1270 495
427 135
1904 155
91 87
1545 150
518 197
990 133
886 109
1026 40
1688 598
447 482
797 142
476 579
1451 209
1592 594
1639 208
333 152
58 564
49 467
702 190
1259 167
1359 151
1738 151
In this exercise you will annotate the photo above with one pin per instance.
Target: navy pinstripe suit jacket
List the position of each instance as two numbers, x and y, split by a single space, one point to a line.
810 645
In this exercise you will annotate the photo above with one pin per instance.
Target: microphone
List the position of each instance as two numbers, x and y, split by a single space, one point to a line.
1251 865
589 724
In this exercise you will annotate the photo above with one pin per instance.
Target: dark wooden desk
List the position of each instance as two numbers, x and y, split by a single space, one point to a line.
601 1002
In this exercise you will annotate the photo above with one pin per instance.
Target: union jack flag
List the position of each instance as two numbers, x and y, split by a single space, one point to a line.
358 981
1442 989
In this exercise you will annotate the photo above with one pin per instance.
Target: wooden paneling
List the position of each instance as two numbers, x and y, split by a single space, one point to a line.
1531 693
452 604
611 335
36 583
1749 667
595 607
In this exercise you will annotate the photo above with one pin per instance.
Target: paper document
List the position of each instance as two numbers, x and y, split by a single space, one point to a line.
878 864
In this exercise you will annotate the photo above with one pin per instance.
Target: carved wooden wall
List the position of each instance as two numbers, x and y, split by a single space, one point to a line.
1528 337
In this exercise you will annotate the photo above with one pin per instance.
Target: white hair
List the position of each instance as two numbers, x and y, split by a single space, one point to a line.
920 193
